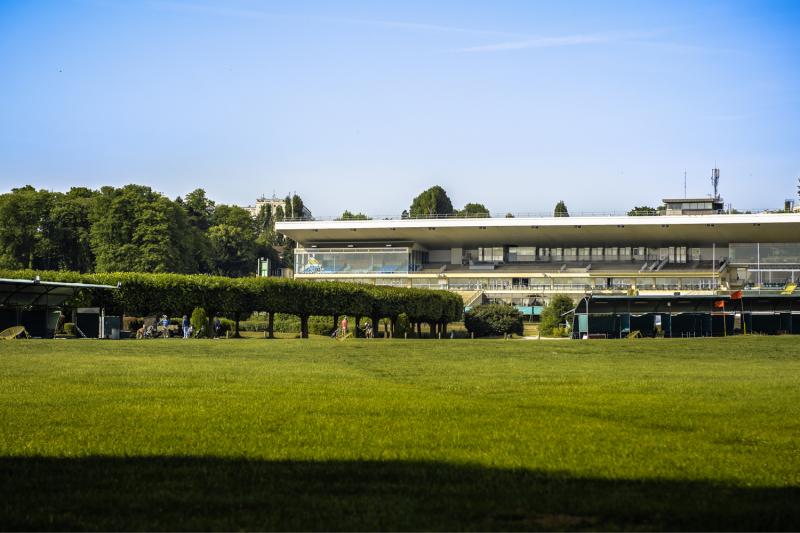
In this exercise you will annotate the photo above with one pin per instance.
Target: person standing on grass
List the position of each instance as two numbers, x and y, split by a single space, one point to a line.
217 326
344 326
185 327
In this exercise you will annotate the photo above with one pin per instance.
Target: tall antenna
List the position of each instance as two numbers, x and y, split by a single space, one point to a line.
684 183
715 181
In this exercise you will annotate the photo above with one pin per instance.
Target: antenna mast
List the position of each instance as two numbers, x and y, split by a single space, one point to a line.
684 183
715 181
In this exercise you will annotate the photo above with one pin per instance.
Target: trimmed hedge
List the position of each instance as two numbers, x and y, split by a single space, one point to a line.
493 320
143 294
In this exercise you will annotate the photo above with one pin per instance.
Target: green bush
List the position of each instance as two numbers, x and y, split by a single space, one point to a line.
402 325
69 329
199 322
552 315
284 323
226 326
253 325
320 325
493 320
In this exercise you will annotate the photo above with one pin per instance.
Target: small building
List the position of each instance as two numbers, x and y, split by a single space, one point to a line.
275 203
694 206
681 315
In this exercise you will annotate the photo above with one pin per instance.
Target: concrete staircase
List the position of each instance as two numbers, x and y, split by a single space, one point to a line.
471 298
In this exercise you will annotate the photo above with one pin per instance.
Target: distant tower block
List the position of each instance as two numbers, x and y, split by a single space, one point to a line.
715 181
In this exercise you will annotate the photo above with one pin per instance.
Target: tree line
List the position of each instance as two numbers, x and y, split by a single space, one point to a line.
134 228
141 294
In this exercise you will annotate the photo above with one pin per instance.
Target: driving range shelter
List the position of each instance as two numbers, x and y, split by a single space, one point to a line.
34 304
598 316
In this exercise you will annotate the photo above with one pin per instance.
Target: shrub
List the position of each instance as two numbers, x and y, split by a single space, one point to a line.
199 322
552 314
69 329
286 323
226 325
320 325
493 320
402 325
253 325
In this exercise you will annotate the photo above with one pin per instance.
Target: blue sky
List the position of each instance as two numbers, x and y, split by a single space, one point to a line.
362 105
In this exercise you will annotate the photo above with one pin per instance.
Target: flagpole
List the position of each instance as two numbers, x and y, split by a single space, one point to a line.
724 321
744 322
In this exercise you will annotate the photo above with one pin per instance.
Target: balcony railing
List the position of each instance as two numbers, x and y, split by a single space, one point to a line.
530 214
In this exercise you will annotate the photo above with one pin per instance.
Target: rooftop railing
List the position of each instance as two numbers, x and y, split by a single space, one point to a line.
531 214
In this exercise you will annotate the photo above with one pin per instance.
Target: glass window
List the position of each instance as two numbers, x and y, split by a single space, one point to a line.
491 255
521 253
467 283
352 261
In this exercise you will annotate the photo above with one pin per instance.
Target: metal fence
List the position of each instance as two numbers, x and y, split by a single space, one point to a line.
532 214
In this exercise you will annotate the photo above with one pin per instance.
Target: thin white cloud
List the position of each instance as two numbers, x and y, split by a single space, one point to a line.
191 7
559 41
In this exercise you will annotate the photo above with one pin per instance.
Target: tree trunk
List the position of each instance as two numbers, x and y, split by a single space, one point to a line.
419 330
355 329
444 329
335 322
304 327
394 325
236 326
271 325
432 328
375 321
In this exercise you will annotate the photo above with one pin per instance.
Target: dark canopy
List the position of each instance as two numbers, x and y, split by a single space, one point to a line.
35 293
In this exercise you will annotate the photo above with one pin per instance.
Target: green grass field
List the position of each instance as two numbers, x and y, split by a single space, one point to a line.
392 434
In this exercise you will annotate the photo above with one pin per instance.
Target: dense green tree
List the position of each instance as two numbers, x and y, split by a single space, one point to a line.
643 210
474 210
233 250
199 213
293 207
199 209
233 239
347 215
139 230
23 226
69 233
561 209
433 201
265 224
552 315
233 215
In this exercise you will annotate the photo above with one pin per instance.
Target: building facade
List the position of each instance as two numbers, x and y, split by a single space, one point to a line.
524 261
275 203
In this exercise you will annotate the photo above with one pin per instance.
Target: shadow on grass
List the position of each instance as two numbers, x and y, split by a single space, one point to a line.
206 493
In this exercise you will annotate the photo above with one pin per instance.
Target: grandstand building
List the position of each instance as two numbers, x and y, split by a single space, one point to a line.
525 260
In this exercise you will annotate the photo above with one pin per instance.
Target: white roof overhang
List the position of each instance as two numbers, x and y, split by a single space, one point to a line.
695 230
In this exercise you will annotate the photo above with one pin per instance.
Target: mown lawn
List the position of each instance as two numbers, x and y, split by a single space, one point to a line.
393 434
